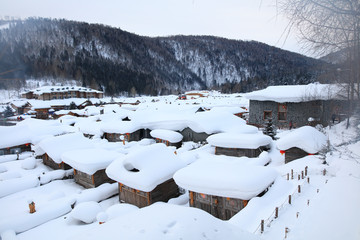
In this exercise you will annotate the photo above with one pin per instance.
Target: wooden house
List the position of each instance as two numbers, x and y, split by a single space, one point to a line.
301 142
21 106
54 147
14 139
124 131
16 149
223 188
239 145
296 106
141 182
168 137
61 92
89 165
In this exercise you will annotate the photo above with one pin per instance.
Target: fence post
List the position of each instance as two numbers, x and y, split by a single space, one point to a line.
298 177
262 226
289 199
287 176
324 172
286 231
302 174
306 170
308 202
297 214
317 190
292 174
308 179
276 212
299 189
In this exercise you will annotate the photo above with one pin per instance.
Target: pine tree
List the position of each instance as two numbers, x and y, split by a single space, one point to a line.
270 129
8 112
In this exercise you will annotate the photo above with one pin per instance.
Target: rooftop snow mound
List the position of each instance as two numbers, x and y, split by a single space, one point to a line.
246 141
225 178
89 160
296 93
121 127
306 138
168 135
56 146
145 168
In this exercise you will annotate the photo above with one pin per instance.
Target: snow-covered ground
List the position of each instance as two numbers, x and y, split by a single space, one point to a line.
327 206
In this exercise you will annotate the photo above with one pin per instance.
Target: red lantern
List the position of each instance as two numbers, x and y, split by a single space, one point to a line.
282 152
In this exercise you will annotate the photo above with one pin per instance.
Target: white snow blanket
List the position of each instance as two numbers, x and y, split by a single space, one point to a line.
146 168
233 140
89 160
296 93
225 178
121 127
168 135
27 221
165 221
306 138
11 186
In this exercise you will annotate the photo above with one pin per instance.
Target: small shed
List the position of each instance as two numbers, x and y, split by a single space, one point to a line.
238 145
89 165
170 138
301 142
223 188
145 176
54 147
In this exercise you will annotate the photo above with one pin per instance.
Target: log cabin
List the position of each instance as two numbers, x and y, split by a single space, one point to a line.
168 137
89 165
239 145
145 176
301 142
222 187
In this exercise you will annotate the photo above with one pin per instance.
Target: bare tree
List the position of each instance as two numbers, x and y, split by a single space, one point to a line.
327 26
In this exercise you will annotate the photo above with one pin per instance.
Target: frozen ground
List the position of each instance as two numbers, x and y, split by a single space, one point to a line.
326 208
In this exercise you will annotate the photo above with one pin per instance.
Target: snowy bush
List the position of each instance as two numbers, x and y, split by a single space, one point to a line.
86 212
29 163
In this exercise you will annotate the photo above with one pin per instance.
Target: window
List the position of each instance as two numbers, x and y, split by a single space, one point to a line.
282 110
15 150
2 152
267 114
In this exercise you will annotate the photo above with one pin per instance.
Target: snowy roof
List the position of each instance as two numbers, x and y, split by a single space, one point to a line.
296 93
225 178
162 221
146 168
168 135
121 127
232 140
306 138
30 131
89 160
56 146
50 89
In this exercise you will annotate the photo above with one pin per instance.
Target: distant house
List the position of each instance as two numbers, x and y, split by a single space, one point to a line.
301 142
61 92
54 147
296 106
20 106
89 165
223 188
238 145
145 175
124 131
168 137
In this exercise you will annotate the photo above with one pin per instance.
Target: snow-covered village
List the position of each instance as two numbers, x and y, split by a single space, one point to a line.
194 166
180 120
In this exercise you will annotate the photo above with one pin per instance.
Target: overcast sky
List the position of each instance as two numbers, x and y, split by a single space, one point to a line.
234 19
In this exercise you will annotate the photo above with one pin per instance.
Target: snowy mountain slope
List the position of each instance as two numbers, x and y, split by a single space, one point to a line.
119 61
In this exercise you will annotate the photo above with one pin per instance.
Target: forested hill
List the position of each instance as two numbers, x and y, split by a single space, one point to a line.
102 56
